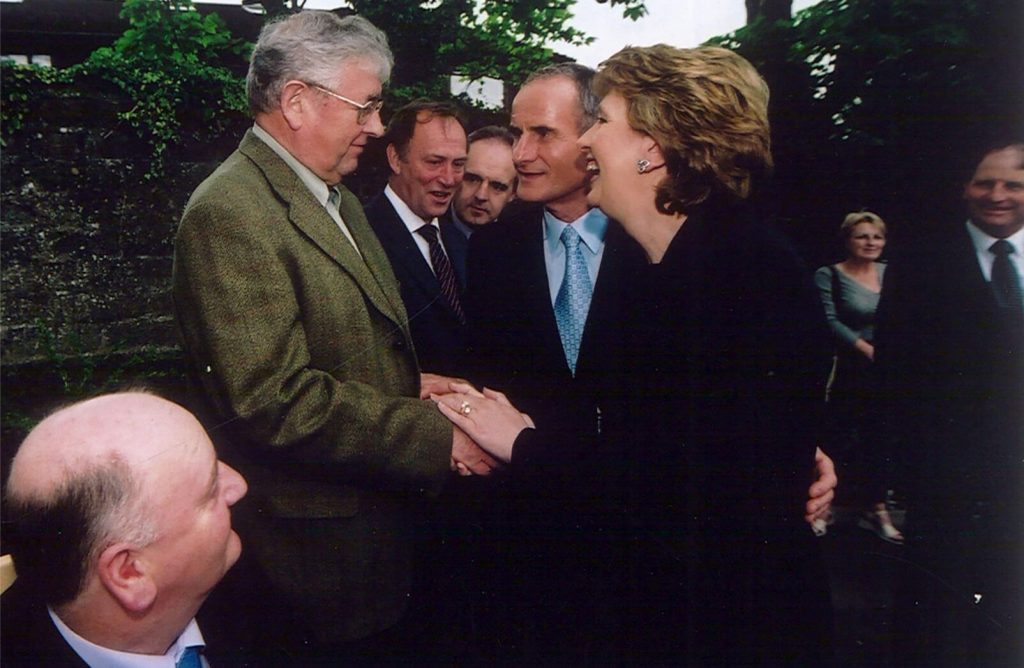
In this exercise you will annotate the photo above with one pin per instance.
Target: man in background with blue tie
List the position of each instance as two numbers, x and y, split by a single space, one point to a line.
545 287
120 526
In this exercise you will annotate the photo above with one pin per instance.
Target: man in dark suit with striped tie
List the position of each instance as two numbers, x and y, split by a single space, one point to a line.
427 152
426 148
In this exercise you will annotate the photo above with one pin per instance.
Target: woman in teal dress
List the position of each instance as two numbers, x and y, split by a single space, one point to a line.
849 292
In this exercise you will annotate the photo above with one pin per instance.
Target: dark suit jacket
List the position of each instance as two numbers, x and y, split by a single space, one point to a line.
563 515
731 356
307 370
952 394
439 336
29 638
515 341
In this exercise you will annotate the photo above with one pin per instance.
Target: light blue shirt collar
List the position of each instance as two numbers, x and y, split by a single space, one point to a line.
466 230
592 227
98 656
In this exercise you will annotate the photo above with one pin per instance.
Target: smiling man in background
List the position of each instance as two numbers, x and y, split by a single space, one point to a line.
950 355
426 151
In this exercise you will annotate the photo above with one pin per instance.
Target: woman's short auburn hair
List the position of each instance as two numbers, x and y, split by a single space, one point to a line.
708 110
858 217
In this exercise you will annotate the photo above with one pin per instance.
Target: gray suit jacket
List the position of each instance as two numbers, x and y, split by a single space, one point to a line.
307 371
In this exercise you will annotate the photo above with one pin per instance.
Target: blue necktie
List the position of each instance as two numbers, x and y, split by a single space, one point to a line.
573 299
190 657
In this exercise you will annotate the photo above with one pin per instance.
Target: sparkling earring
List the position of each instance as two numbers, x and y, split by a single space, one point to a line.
642 165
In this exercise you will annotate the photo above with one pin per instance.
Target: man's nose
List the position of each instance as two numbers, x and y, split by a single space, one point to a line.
524 150
374 126
234 484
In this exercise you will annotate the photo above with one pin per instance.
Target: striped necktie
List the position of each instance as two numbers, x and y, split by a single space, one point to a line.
443 270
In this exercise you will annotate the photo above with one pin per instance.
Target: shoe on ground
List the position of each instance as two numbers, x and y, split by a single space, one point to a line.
881 525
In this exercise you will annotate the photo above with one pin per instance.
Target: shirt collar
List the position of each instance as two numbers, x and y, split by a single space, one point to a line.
466 230
983 241
411 220
95 655
313 182
591 227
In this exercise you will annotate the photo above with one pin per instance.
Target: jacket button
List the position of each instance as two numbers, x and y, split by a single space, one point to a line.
398 344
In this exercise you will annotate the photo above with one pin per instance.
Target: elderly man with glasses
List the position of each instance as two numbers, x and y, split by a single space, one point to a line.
297 338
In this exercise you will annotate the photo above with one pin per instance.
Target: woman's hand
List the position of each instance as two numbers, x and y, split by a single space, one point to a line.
487 417
865 349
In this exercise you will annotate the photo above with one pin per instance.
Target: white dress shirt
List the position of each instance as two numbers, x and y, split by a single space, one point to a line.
983 242
101 657
413 223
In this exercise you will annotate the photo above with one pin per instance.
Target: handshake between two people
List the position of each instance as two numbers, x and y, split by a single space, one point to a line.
486 424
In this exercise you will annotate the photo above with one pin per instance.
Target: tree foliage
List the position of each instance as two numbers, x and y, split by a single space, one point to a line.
879 103
173 63
180 71
474 38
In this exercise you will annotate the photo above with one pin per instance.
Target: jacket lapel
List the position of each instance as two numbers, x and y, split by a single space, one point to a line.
310 218
396 235
456 244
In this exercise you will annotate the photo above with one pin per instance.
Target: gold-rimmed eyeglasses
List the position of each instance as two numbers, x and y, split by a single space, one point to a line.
363 110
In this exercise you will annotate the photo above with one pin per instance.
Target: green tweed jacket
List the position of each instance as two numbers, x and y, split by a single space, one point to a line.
302 352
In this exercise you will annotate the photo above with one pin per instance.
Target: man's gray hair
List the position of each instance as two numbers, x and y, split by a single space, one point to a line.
583 78
311 46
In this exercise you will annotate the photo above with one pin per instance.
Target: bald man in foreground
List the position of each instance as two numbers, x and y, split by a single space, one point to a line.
120 528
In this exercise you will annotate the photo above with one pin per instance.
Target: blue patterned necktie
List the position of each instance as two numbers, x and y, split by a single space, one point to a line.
190 657
1005 281
573 299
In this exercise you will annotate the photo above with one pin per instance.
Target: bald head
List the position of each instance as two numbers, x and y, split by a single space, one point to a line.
124 478
128 431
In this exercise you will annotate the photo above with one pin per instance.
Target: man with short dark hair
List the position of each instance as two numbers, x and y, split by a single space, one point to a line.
120 528
489 182
426 151
950 356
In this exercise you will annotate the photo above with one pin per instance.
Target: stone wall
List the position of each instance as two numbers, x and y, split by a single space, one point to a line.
85 237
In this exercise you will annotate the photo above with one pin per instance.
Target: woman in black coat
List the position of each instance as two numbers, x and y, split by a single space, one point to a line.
726 360
729 357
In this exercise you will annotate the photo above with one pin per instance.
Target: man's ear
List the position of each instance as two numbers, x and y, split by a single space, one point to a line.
295 102
127 578
394 160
